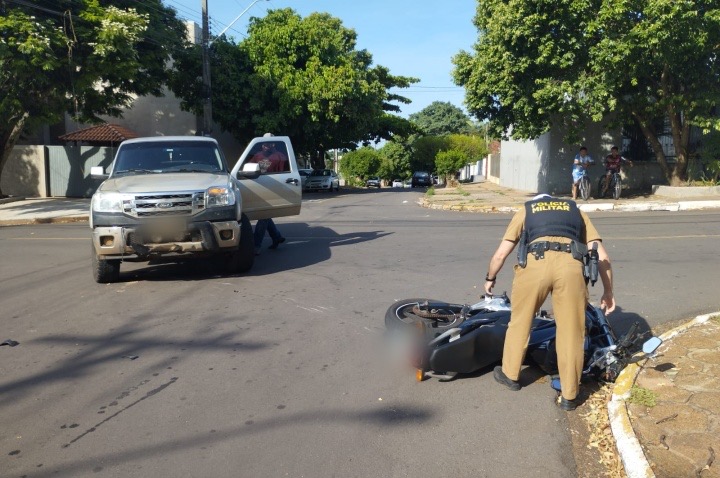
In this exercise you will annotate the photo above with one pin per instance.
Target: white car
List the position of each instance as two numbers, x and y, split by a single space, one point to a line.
397 183
323 180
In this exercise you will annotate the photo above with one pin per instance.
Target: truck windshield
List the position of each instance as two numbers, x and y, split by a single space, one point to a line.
167 156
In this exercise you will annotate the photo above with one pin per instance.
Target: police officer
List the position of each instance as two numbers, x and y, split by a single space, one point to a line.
549 226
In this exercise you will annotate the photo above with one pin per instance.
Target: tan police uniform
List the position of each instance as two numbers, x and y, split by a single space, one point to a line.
557 273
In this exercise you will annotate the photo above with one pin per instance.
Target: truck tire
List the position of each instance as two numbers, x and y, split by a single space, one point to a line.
242 259
104 270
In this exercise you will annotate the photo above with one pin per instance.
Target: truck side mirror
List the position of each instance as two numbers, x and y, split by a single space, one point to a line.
97 172
249 171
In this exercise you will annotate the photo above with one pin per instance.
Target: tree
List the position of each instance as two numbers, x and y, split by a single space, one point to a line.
360 163
473 147
424 151
395 161
539 64
84 58
447 163
441 118
301 77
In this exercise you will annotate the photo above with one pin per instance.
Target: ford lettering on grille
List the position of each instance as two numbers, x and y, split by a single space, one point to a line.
164 205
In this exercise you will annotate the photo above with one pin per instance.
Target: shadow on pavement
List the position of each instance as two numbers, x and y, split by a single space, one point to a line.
306 245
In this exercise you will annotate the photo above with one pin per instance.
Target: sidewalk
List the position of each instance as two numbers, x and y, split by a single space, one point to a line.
665 413
490 197
18 211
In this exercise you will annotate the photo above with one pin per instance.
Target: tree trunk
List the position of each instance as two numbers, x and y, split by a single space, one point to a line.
681 141
8 138
651 137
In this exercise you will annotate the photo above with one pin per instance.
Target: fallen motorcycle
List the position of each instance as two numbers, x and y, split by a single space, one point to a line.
450 339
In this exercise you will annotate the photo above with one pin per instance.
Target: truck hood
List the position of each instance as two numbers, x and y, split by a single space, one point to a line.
165 182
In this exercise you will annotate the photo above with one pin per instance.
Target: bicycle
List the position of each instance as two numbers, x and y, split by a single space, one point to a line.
615 185
584 186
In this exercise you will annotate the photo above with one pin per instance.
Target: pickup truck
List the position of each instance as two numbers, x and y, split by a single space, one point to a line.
172 197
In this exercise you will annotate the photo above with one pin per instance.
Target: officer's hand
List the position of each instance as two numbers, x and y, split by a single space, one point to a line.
489 284
607 303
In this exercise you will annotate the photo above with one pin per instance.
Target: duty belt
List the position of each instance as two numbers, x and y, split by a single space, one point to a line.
538 248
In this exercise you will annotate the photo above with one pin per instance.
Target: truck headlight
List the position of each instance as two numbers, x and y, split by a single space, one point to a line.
219 196
108 202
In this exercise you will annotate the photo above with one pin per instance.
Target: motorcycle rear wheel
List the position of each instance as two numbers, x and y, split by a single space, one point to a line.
407 312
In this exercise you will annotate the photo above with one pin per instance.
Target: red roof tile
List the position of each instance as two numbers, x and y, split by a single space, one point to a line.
104 133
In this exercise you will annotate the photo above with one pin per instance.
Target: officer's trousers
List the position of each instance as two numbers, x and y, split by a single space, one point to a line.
557 273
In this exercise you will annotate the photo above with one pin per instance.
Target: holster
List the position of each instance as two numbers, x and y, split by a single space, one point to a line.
522 251
590 262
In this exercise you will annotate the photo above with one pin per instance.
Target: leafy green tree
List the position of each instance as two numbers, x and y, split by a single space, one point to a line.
473 147
544 63
441 118
86 58
424 151
231 92
395 161
360 164
310 82
447 163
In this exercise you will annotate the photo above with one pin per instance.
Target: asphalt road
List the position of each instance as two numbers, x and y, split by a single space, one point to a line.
179 372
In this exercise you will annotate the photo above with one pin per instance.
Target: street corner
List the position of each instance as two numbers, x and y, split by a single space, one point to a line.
664 411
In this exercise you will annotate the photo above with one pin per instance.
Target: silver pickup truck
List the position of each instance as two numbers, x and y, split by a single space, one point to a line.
170 197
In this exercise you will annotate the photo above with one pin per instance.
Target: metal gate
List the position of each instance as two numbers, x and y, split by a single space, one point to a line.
69 169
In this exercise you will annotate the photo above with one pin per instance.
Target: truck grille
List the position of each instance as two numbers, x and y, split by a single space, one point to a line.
175 204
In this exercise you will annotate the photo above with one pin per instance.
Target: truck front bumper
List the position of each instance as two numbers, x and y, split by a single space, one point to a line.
204 236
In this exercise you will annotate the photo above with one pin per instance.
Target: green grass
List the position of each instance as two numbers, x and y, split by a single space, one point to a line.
430 191
461 191
642 396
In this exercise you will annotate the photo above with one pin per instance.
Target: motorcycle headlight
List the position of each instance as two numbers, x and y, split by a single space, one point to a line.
108 202
219 196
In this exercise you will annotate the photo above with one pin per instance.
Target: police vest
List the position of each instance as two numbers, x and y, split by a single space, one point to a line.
553 217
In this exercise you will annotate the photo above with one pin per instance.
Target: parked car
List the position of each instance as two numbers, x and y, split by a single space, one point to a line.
373 182
397 183
323 180
421 178
304 174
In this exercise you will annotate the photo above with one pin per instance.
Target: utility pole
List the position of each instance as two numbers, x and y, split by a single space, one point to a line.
207 88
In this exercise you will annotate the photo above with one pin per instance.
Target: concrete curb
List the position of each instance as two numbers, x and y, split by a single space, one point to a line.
12 199
587 207
628 446
44 220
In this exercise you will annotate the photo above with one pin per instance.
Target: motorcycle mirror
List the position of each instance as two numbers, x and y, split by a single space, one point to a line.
651 345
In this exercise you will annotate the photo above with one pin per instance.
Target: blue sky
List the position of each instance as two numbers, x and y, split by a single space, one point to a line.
411 37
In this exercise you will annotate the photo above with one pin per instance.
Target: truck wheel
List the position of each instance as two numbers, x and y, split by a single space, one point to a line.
242 259
104 270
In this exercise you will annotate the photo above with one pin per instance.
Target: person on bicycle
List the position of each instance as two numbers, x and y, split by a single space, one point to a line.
613 162
582 161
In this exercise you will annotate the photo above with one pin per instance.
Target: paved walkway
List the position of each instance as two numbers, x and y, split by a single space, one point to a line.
664 413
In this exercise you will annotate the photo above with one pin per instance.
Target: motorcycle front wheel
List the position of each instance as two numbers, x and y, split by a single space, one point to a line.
433 314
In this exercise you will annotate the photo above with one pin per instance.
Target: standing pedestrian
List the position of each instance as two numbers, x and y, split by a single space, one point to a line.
548 226
271 160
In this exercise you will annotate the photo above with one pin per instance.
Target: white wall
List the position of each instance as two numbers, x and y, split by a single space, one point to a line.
25 174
